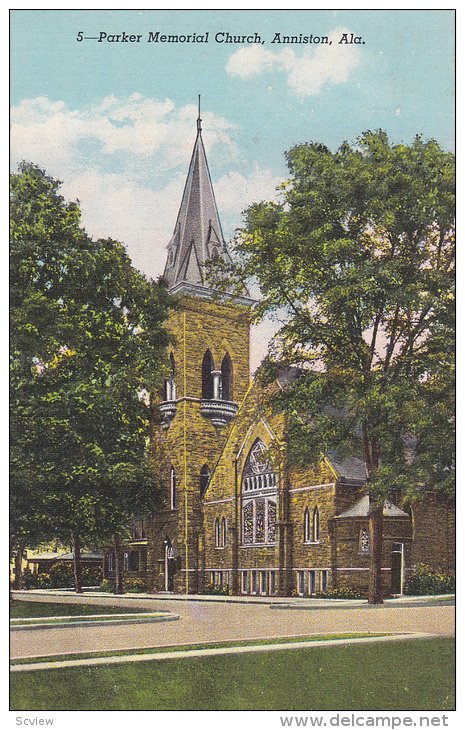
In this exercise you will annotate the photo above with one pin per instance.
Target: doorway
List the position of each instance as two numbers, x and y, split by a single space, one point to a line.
170 565
397 568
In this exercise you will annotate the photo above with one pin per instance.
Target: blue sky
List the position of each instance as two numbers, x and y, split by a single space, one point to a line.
116 122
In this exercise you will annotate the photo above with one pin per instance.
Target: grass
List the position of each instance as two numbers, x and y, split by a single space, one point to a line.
35 609
411 675
190 647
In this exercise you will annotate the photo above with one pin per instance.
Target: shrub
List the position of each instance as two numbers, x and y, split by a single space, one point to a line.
347 593
107 586
35 580
215 590
61 575
425 581
135 585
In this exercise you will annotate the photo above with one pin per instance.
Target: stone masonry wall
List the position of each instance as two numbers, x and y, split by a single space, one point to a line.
191 441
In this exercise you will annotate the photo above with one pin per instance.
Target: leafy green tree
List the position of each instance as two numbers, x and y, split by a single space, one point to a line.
357 261
87 340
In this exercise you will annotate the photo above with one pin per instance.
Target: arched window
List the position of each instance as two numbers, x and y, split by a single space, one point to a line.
224 532
259 489
271 521
226 378
217 533
307 531
204 479
173 488
364 541
170 383
207 378
316 525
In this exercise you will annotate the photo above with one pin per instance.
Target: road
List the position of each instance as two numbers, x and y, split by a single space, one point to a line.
202 622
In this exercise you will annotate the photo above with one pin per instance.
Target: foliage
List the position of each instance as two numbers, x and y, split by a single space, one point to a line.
215 590
357 263
35 580
107 586
87 340
135 585
343 593
425 581
61 575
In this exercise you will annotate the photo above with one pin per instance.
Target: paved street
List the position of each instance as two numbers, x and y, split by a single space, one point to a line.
202 621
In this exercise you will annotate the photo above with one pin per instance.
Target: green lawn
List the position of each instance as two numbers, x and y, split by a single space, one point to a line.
411 675
34 609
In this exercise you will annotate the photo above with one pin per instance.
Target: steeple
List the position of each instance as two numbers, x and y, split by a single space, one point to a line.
197 236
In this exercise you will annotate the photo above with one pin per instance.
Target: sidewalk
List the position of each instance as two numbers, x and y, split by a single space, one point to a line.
279 602
188 653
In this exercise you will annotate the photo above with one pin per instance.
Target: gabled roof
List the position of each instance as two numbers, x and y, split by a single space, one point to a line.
197 237
350 468
362 507
84 556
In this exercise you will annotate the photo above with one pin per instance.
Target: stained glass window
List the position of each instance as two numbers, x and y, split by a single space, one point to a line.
316 525
364 540
307 537
271 521
248 523
260 520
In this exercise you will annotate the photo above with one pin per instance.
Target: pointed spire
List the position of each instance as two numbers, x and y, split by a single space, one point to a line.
197 236
199 121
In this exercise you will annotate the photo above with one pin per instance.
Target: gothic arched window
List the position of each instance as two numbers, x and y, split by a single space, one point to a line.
204 479
170 383
207 378
259 491
316 525
226 378
173 495
224 532
217 533
364 541
307 531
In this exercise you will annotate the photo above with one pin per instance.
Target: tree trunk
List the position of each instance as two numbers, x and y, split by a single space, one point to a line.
18 582
375 589
77 562
119 582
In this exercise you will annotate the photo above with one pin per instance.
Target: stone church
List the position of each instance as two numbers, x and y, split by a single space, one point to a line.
236 515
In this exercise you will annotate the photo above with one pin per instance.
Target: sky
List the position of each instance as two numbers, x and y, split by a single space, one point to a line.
116 121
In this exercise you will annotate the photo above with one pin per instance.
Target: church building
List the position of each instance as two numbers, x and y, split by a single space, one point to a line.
236 515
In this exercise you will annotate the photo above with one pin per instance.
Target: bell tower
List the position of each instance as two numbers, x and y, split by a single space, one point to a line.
209 376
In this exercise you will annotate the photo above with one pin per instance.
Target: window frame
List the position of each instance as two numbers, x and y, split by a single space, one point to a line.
361 549
253 501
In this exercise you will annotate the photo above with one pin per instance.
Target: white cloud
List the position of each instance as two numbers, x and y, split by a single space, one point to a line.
234 192
52 135
306 74
255 60
126 161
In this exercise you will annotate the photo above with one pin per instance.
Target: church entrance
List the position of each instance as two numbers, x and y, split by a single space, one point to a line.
397 568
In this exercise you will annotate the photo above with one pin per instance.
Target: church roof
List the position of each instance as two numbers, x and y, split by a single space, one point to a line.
349 468
362 507
197 237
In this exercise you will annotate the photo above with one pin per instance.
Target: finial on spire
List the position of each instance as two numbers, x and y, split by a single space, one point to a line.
199 121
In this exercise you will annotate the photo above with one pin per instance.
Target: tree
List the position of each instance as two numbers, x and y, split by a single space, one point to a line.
357 260
88 339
